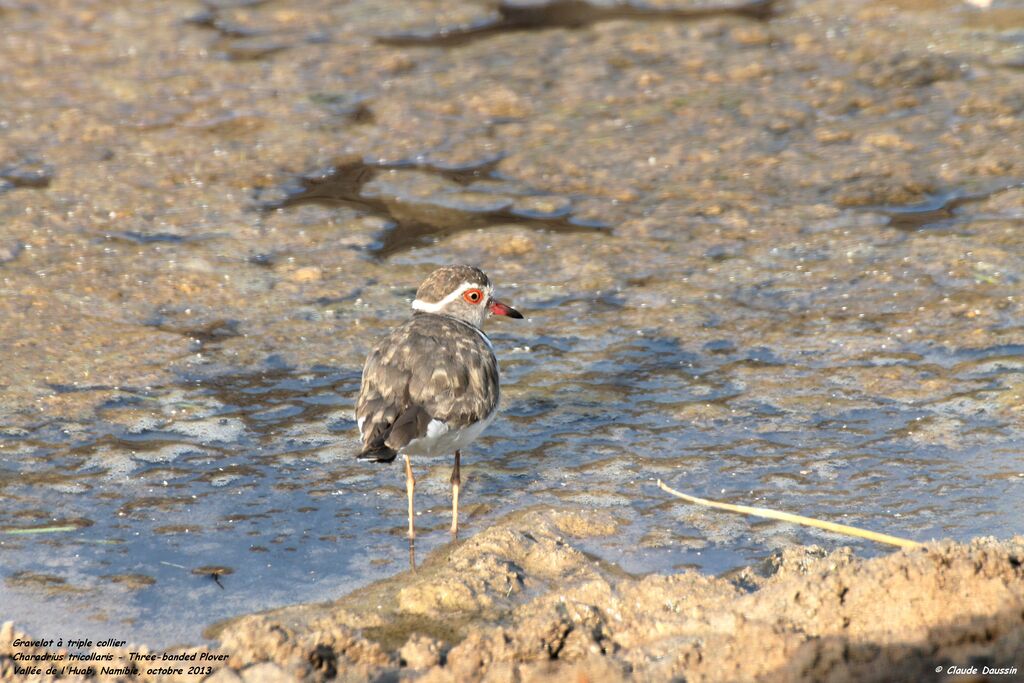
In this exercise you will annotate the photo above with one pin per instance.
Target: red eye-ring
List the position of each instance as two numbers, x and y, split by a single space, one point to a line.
473 296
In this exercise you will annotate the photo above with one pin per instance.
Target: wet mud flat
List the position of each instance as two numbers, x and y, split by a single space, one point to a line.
520 601
769 252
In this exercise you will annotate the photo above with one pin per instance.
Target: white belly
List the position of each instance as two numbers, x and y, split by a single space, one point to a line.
440 440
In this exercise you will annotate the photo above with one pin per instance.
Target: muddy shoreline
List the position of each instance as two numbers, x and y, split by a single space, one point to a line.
521 602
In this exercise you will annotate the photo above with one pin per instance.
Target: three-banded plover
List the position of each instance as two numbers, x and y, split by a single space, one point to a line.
431 386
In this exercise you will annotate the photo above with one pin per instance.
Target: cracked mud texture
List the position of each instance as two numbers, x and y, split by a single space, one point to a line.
808 292
520 602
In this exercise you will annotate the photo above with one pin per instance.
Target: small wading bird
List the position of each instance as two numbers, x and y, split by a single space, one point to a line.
431 386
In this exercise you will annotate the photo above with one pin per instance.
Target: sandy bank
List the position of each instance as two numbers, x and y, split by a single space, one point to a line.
521 601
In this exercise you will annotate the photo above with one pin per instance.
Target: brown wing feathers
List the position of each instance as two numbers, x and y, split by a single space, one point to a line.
431 367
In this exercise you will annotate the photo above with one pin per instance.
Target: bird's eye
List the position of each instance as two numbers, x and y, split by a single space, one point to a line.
473 296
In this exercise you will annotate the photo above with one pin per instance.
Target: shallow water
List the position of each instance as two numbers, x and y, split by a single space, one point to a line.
255 472
770 260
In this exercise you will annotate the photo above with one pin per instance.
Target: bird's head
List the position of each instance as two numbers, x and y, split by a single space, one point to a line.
462 292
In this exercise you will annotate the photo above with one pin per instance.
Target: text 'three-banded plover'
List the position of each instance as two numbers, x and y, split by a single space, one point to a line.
431 386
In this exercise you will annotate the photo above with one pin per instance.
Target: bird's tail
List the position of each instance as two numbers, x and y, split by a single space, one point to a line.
378 452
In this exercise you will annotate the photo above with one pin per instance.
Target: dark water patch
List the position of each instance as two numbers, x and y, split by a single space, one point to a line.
343 298
201 327
29 173
415 223
721 252
136 237
464 174
939 211
264 259
253 48
345 181
236 41
211 19
569 14
906 69
77 388
353 107
10 251
719 346
199 333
